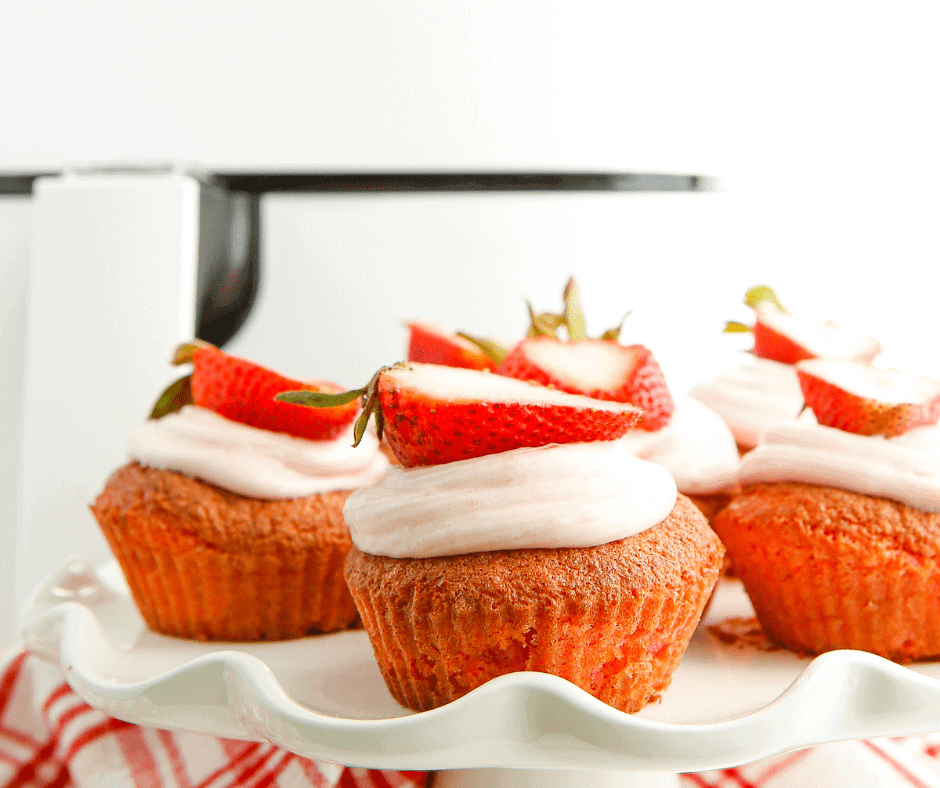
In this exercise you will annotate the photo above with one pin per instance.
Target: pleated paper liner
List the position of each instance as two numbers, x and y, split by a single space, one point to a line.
233 588
827 569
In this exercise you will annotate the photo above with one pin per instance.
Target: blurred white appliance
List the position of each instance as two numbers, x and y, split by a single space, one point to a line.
125 262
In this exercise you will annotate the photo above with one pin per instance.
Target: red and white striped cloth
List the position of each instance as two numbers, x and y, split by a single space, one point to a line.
51 738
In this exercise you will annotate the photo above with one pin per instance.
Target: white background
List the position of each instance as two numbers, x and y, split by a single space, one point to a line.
818 120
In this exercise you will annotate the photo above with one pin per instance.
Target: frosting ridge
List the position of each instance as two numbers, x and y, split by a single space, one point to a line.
254 462
752 397
575 495
696 447
905 470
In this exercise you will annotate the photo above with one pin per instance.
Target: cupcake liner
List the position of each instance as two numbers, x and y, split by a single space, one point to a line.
208 595
829 579
187 587
622 653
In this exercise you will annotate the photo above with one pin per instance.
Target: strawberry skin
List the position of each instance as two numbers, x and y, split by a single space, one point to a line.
431 343
244 392
775 346
778 336
857 398
627 373
433 414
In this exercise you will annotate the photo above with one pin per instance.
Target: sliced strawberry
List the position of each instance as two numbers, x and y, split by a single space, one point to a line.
244 392
432 414
780 336
432 343
597 368
858 398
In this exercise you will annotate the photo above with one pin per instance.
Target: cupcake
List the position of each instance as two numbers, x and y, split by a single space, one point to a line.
520 534
763 389
836 535
227 520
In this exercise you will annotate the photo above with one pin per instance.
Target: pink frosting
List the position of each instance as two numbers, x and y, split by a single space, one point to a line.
905 468
253 462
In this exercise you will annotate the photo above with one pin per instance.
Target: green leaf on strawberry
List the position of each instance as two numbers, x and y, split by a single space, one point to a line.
762 294
493 350
433 343
174 397
574 313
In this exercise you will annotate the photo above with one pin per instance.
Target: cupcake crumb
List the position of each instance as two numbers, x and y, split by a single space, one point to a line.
743 633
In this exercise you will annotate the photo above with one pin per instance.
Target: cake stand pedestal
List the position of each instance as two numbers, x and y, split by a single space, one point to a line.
540 778
323 697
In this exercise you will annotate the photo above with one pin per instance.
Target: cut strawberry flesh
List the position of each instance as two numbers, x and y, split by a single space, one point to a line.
597 368
858 398
435 414
433 343
781 337
585 365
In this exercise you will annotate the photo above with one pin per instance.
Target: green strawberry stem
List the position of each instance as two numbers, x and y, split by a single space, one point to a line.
370 405
546 324
173 398
179 392
613 334
543 324
574 314
493 350
184 353
754 297
761 293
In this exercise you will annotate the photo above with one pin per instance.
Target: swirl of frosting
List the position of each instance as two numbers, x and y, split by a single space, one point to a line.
696 447
905 468
254 462
752 397
575 495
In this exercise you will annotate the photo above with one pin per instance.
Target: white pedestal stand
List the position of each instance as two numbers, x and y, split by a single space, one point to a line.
539 778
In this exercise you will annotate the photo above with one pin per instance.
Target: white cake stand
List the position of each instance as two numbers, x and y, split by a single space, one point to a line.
323 697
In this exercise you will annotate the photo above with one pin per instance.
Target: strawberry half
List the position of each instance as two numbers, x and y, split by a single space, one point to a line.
781 337
244 392
432 343
858 398
597 368
432 414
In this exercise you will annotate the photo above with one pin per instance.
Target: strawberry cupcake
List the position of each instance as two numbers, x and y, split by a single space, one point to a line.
227 520
836 535
764 389
520 534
